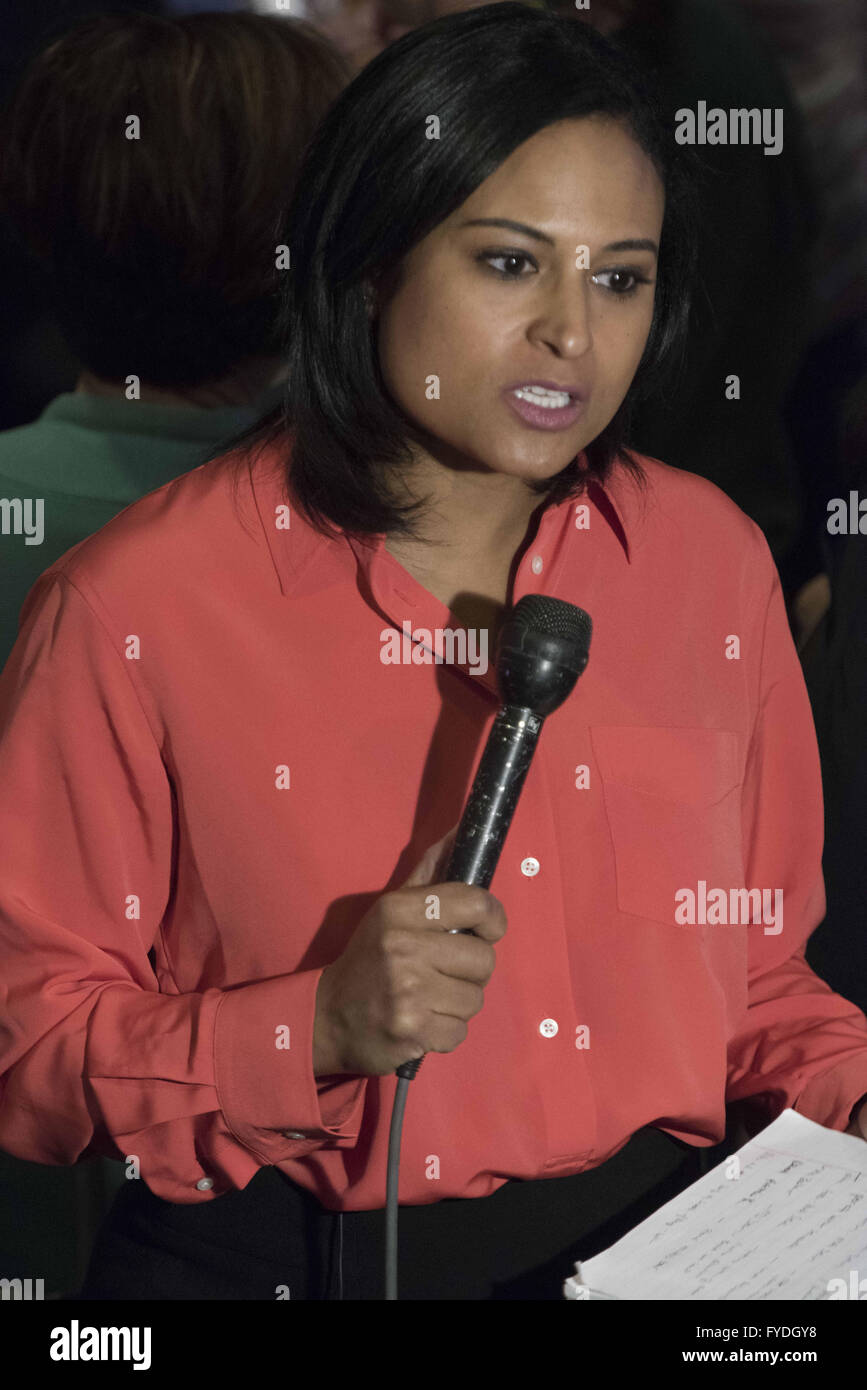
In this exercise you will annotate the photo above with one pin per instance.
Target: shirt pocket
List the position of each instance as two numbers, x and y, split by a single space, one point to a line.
673 803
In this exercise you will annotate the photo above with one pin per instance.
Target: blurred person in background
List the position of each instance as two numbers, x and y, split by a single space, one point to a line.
144 162
36 364
160 262
823 47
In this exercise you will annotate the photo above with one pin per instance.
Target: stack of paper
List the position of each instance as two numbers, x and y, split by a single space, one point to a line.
784 1218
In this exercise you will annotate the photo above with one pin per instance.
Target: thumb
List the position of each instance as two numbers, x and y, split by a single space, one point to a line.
434 861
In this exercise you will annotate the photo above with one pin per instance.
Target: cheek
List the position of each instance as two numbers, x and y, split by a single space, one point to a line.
456 328
433 334
409 335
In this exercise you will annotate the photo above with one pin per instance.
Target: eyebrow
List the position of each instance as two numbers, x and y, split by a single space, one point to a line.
632 244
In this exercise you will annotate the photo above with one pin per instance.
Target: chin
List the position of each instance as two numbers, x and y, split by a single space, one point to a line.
503 458
537 470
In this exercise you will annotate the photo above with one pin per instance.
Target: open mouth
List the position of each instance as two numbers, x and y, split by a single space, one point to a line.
544 409
540 395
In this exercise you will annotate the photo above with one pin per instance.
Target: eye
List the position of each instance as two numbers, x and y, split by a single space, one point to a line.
620 290
488 256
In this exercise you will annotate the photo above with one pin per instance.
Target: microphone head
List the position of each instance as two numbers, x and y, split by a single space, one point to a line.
543 647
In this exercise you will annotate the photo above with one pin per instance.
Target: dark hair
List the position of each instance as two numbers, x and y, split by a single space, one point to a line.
161 251
372 187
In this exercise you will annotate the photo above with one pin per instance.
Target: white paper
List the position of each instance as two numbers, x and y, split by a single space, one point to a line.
792 1222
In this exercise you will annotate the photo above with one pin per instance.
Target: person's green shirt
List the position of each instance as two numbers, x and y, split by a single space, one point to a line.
84 459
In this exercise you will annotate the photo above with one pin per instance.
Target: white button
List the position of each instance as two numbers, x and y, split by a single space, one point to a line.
204 1184
530 867
548 1027
294 1134
536 565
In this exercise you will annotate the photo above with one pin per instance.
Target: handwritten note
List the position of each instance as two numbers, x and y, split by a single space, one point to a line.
784 1218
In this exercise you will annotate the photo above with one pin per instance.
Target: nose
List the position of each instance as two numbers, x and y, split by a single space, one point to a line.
562 319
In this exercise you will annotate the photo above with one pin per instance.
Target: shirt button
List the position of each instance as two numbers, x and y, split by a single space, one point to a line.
204 1184
548 1027
530 867
536 564
294 1134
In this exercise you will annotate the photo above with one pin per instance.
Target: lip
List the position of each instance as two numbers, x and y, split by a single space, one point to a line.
541 417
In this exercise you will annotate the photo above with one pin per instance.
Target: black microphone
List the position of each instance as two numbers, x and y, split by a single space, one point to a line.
543 648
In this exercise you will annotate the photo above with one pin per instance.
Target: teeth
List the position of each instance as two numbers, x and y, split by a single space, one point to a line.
540 395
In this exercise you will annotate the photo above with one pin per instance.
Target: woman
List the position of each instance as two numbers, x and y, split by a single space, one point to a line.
242 759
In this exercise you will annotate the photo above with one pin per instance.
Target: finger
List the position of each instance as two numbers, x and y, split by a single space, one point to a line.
457 907
433 861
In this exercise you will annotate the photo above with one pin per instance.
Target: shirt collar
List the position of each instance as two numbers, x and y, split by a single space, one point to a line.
293 541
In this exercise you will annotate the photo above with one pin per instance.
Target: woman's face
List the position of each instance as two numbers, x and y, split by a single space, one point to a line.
485 309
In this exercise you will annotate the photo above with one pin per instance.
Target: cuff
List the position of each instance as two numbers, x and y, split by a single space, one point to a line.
273 1103
830 1098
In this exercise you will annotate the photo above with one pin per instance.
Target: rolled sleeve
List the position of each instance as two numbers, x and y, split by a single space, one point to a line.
799 1044
267 1089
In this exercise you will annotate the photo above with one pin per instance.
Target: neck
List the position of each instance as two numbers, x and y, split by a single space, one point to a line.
469 513
242 386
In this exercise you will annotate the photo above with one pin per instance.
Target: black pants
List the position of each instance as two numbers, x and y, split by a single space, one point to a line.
519 1243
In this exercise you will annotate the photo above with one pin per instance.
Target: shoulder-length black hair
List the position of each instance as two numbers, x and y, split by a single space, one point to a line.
372 186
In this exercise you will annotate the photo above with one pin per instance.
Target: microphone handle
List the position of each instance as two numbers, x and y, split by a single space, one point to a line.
488 813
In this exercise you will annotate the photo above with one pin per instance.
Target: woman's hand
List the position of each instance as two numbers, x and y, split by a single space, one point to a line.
404 986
